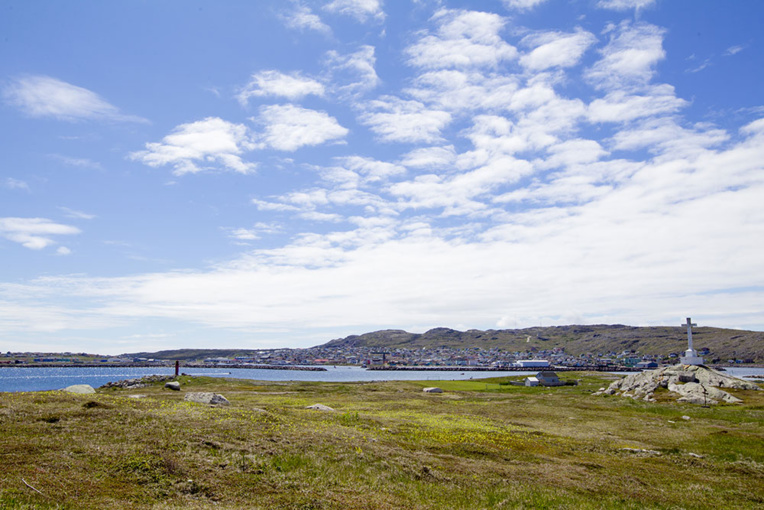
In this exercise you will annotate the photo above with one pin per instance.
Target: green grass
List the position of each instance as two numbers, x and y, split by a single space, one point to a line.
481 444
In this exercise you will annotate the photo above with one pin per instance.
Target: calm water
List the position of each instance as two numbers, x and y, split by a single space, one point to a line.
40 379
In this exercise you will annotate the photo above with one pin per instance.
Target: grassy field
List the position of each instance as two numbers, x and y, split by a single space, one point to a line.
480 444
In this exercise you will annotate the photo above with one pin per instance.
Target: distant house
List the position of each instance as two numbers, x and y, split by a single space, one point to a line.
544 379
646 365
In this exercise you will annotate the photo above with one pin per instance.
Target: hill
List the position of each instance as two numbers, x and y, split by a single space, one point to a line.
189 354
576 340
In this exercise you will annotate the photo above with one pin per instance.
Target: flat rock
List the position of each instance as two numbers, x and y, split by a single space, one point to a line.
320 407
174 385
432 390
83 389
207 398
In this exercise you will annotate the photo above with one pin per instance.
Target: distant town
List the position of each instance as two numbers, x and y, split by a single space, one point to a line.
401 358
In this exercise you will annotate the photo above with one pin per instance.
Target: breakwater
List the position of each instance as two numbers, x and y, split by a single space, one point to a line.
259 367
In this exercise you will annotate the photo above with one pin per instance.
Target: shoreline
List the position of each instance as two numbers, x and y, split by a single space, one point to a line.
168 367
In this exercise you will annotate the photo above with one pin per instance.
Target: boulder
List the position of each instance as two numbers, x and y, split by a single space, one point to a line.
696 393
432 390
207 398
693 384
83 389
320 407
173 385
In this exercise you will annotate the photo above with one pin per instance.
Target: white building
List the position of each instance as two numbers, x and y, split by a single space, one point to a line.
533 363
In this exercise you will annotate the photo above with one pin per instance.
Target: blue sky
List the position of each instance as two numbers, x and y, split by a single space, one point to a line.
282 173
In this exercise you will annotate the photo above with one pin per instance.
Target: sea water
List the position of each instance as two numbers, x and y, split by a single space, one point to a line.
54 378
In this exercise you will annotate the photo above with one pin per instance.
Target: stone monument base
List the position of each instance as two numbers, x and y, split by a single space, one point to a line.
691 358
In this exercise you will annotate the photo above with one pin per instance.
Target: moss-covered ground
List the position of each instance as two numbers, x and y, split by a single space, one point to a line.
480 444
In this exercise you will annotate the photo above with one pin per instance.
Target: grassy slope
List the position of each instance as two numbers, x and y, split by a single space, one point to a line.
480 444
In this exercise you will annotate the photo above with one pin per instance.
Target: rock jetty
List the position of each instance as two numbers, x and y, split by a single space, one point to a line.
695 384
140 382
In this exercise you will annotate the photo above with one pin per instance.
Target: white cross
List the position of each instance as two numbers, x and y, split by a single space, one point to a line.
689 326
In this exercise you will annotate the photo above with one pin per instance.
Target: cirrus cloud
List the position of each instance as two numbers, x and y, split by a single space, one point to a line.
44 96
34 233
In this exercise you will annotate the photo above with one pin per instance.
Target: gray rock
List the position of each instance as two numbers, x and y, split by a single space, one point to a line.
693 384
640 451
432 390
83 389
173 385
687 377
207 398
697 393
320 407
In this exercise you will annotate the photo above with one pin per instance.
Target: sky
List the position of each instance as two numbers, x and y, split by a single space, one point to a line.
271 174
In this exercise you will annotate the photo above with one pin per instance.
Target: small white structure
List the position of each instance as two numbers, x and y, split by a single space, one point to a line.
690 355
549 379
544 379
533 363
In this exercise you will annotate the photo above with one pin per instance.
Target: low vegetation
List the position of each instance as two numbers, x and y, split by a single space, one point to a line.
480 444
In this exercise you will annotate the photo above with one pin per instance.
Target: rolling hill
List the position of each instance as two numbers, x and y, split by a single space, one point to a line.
576 340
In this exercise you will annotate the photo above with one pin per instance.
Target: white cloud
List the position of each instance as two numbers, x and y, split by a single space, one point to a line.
619 106
456 91
522 5
361 10
556 49
77 162
734 50
573 152
630 57
264 205
12 183
190 148
277 84
430 157
464 39
300 17
63 250
396 120
667 136
623 5
43 96
320 216
33 233
71 213
353 73
289 127
372 169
